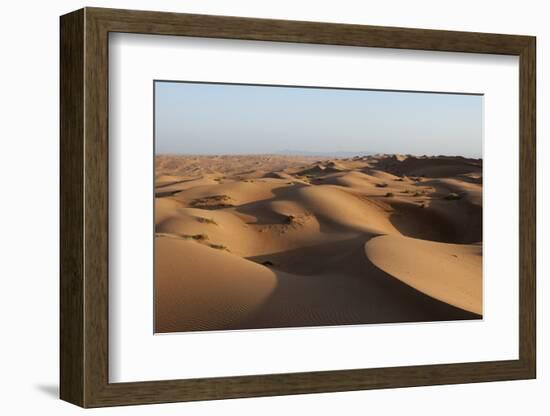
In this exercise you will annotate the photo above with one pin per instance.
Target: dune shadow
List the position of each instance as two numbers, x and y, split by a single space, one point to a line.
413 221
436 167
310 260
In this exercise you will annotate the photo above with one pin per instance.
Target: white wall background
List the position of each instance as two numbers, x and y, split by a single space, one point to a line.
29 207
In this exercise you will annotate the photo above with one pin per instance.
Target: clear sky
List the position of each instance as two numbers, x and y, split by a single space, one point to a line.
195 118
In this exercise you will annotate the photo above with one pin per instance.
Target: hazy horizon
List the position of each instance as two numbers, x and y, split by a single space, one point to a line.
300 154
233 119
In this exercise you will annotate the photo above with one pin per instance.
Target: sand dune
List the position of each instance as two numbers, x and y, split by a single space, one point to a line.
215 290
419 263
279 241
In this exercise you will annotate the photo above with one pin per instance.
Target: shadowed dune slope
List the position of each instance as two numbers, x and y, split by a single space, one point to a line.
431 167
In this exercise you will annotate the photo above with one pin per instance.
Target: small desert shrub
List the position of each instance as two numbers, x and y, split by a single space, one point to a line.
219 246
453 196
381 185
196 237
398 180
290 219
206 220
389 194
212 202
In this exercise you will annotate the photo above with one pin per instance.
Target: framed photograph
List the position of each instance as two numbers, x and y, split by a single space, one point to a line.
255 207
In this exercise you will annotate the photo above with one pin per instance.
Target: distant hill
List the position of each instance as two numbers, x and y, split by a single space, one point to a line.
337 154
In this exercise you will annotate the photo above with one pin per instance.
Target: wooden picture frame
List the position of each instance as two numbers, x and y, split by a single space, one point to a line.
84 207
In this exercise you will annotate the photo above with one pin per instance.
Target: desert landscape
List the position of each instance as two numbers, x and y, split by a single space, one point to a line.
274 240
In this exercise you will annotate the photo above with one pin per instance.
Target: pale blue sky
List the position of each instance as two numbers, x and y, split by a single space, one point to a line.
196 118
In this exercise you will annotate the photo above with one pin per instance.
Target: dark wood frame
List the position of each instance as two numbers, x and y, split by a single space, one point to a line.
84 207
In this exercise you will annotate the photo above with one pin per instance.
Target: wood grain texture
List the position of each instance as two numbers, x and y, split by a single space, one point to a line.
71 213
96 219
162 23
84 205
527 207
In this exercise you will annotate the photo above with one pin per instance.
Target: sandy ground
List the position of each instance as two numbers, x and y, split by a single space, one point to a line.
268 241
